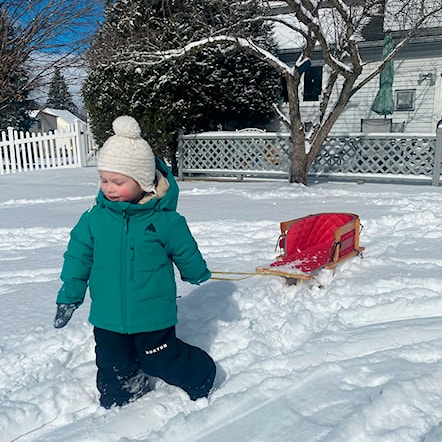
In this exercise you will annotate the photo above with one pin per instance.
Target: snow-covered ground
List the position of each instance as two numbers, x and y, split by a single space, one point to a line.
354 356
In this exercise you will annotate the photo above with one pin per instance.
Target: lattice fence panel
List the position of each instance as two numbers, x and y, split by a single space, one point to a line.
227 153
377 155
256 153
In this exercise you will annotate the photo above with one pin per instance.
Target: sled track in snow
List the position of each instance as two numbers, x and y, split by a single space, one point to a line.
308 365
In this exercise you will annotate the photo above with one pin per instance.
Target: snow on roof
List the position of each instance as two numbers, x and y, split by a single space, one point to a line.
33 113
284 36
399 18
65 115
396 18
328 20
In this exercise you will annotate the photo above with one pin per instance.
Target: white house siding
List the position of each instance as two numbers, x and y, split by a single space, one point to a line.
428 98
423 54
427 107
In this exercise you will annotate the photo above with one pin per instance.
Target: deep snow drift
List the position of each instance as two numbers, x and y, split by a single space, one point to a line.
354 356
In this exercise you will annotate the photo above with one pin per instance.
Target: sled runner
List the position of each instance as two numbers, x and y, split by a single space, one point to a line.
317 241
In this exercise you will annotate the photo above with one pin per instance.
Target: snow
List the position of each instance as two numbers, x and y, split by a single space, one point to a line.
241 42
355 355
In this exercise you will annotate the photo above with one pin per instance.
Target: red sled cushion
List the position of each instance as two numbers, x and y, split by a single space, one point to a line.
308 260
309 242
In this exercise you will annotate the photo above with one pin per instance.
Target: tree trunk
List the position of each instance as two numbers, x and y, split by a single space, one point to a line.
298 168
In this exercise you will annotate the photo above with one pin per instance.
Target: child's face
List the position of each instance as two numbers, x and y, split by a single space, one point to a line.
118 187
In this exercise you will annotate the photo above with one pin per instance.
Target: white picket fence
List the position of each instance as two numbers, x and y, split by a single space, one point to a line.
23 151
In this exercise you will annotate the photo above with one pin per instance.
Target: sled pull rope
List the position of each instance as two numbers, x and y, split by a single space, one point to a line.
246 275
243 275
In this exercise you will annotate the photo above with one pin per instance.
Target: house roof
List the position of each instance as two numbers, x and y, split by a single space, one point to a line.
65 115
419 46
371 37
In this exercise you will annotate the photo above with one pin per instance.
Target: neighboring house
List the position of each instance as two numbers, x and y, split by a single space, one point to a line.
49 120
417 86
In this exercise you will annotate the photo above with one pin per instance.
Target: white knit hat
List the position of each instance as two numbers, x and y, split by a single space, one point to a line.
129 154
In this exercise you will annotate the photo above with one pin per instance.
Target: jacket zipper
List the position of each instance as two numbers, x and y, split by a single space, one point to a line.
131 261
124 274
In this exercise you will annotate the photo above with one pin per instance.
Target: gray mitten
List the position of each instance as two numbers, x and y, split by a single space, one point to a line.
64 314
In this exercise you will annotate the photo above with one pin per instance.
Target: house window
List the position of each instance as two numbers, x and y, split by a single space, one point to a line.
313 83
405 99
284 91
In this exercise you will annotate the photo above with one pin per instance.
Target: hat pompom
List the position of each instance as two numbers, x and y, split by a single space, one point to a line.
126 126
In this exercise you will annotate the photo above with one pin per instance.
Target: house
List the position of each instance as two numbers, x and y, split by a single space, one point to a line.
417 90
417 86
49 120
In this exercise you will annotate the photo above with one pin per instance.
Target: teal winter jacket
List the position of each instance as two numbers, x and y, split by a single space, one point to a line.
126 253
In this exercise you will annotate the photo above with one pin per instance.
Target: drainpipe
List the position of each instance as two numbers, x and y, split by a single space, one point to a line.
437 157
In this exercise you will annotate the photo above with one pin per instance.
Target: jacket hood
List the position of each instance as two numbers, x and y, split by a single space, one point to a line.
168 202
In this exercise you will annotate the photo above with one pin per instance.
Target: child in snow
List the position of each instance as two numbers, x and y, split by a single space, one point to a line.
124 247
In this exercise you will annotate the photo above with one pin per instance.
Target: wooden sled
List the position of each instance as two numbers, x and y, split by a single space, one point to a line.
314 242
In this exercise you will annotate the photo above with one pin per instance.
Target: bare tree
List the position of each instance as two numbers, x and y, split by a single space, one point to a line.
332 27
46 33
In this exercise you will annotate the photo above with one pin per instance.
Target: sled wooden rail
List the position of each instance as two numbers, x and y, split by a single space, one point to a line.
343 243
